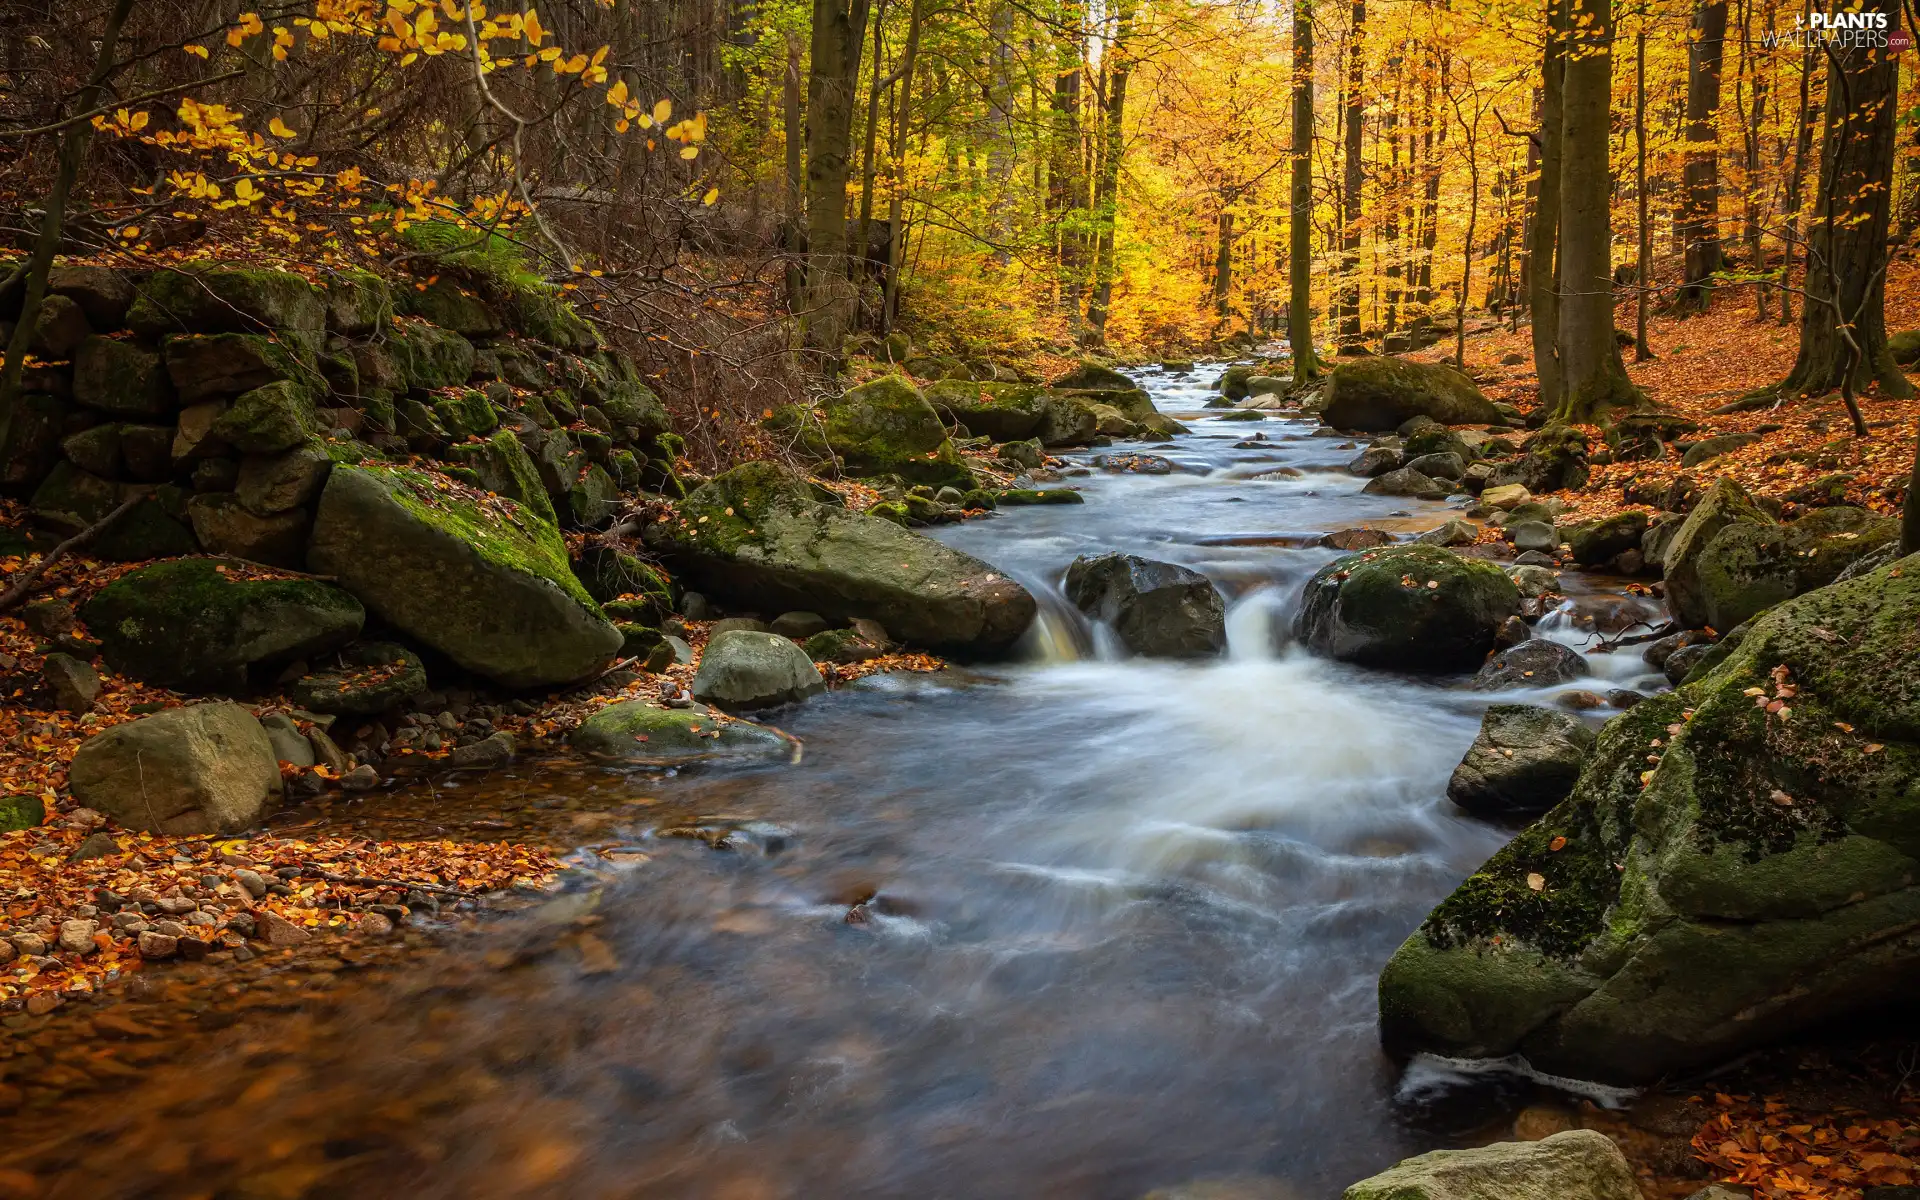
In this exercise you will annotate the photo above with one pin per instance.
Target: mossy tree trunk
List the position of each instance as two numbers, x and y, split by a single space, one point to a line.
839 29
1843 326
1306 364
1700 178
1593 380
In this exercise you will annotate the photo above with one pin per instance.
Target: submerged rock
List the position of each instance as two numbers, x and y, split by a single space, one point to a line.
640 733
1158 610
1524 761
1735 864
203 769
1411 607
1537 662
761 538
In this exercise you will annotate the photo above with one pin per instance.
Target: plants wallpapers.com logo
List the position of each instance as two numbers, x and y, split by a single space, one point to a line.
1841 30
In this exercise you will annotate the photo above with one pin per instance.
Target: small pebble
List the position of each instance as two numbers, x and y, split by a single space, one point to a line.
158 945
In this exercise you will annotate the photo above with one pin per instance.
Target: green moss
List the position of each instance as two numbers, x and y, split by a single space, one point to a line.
358 302
21 812
1017 496
450 306
723 514
543 316
270 419
429 357
466 414
525 544
211 297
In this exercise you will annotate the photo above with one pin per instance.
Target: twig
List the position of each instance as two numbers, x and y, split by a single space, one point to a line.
24 584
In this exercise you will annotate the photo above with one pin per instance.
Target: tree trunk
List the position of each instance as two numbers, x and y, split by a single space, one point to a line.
1223 259
1306 364
1355 180
1843 327
896 154
793 235
73 155
1066 185
1797 175
1106 203
869 165
1700 196
839 29
1543 239
1000 136
1643 262
1593 380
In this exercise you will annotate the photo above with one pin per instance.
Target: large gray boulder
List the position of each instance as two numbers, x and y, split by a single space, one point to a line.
186 624
745 669
760 538
1579 1164
489 587
886 427
1005 412
1158 610
204 769
640 734
1736 864
1379 394
1414 607
1524 761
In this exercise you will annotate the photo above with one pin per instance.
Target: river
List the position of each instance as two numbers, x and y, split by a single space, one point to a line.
1076 926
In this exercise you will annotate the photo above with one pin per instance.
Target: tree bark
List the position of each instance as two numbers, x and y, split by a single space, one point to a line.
1223 259
1106 203
1543 239
1643 263
1700 194
793 234
1843 327
1355 179
1593 381
1066 184
839 31
1797 175
896 154
73 154
1306 364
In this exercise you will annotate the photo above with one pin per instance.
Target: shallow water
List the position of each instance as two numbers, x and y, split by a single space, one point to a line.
1075 927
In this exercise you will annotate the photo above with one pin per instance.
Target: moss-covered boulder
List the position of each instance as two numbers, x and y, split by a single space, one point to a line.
217 365
1005 412
277 483
1905 347
545 317
1380 393
228 298
269 420
1555 458
502 465
886 427
364 679
763 539
1748 568
1093 375
636 733
188 625
1068 419
450 306
120 377
466 413
1233 381
1412 607
428 357
1024 496
1157 609
475 576
193 771
21 812
634 410
610 574
357 302
1738 863
745 669
70 499
594 498
1604 538
1725 504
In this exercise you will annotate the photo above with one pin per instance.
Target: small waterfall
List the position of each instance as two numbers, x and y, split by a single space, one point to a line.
1059 633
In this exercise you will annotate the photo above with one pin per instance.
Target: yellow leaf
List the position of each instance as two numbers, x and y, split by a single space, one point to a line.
617 94
712 195
280 129
689 152
531 26
199 51
661 111
1537 881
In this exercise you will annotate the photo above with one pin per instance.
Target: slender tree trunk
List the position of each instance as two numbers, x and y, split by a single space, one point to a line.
1753 87
1066 185
1544 239
1700 215
1843 327
1466 253
794 234
1355 181
1643 263
896 154
1797 175
1306 364
863 234
1223 258
46 244
1387 243
1593 379
1000 134
1106 203
839 31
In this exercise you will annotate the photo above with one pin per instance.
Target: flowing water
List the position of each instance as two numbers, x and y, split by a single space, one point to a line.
1078 926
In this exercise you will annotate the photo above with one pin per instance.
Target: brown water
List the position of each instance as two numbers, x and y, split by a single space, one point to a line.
1073 927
